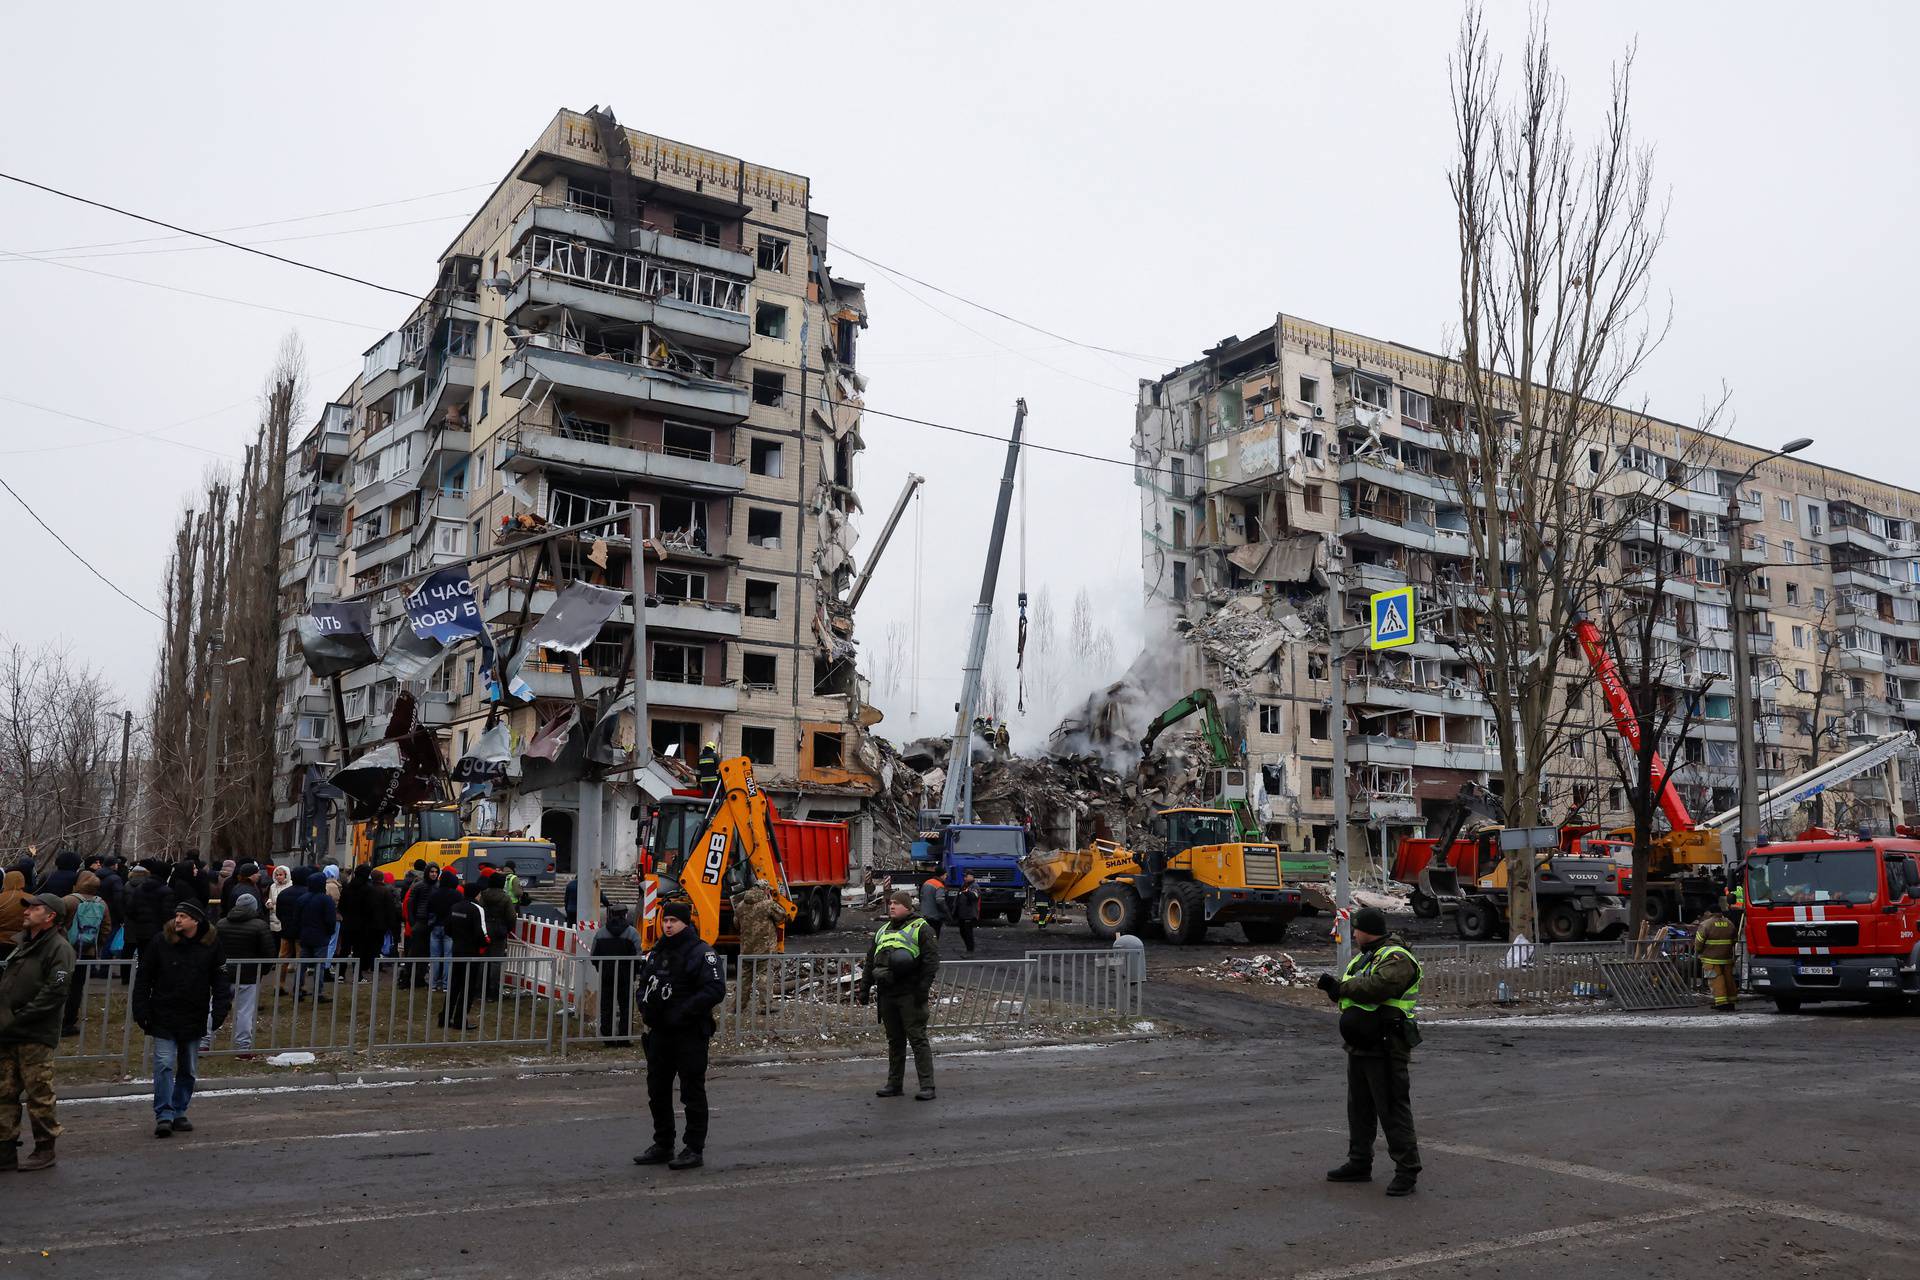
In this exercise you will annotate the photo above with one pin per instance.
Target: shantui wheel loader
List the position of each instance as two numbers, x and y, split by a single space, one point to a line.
1204 875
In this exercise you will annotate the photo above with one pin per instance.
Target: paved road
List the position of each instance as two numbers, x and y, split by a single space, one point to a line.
1753 1145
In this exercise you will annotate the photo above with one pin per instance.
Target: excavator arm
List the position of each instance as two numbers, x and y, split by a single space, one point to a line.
736 845
1202 702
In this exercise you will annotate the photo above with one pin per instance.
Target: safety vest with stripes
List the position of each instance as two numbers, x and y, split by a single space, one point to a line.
1364 962
898 937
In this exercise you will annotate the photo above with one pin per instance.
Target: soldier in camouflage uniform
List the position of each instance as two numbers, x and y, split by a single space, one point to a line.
757 917
33 1000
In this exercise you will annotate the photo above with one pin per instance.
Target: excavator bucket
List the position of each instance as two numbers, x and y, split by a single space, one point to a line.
1442 884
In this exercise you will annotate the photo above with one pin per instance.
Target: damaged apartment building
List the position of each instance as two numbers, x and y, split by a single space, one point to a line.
1303 455
626 324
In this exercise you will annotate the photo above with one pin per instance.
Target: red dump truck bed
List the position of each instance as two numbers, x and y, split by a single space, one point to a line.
1415 853
812 852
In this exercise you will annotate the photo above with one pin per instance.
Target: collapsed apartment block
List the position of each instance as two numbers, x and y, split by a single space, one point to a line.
627 324
1277 462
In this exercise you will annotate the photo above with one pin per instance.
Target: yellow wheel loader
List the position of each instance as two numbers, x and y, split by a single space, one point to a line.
1203 876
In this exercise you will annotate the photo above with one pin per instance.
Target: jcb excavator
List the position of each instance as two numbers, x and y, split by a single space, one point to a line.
1204 876
735 847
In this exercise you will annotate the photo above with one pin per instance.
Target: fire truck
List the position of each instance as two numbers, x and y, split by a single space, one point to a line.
1831 918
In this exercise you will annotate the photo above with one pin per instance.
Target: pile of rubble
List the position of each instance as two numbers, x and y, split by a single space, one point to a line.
1241 637
1265 970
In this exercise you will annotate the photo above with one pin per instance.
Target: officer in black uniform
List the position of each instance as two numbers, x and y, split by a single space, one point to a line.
1377 998
681 983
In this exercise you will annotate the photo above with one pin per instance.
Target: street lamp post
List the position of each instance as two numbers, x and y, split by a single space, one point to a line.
1748 753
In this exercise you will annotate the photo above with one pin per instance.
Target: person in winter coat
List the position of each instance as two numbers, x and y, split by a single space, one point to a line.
181 991
149 904
466 931
246 941
901 962
681 985
616 958
286 910
440 906
962 907
501 918
27 874
13 908
319 922
189 883
242 880
112 885
33 991
362 920
89 930
66 871
416 927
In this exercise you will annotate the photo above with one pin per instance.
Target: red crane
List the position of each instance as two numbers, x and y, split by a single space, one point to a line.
1624 719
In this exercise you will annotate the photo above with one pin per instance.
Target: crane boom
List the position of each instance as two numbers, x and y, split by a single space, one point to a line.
1806 786
1607 671
880 544
956 800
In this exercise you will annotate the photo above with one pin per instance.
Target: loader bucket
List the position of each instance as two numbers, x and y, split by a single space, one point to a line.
1051 872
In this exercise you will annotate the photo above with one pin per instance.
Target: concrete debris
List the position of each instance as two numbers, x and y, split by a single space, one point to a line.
1241 637
1396 901
1271 971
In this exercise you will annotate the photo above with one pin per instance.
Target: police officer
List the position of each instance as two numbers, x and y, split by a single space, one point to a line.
901 962
710 768
681 982
1377 996
1713 939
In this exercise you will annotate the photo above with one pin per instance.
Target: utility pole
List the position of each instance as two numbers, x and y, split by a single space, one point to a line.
1749 827
1337 715
120 783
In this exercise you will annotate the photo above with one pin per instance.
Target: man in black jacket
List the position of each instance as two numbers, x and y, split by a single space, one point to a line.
182 980
33 996
681 985
245 940
466 931
149 904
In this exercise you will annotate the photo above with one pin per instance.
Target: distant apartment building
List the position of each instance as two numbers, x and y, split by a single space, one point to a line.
1305 439
626 324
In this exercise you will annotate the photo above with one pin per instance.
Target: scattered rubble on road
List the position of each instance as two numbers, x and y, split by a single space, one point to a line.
1272 971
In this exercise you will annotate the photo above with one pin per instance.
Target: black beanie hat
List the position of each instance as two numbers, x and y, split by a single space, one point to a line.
681 911
1370 920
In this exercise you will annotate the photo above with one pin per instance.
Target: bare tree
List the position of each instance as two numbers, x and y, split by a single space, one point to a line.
1043 657
1556 242
889 665
59 741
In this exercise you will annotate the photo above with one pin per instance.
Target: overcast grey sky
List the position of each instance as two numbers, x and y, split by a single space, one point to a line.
1141 176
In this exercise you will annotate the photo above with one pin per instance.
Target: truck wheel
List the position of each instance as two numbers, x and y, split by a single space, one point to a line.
1013 914
1476 921
1562 923
1264 932
833 910
1113 909
1183 913
818 916
1659 909
1424 907
1786 1004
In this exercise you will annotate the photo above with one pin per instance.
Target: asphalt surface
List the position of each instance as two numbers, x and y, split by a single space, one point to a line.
1589 1146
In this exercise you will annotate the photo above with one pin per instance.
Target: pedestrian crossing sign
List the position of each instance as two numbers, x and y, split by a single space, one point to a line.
1390 618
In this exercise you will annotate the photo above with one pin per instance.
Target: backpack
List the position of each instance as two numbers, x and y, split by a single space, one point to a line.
84 932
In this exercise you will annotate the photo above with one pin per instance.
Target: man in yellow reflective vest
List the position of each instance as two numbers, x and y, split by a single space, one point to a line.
1377 996
1713 939
901 962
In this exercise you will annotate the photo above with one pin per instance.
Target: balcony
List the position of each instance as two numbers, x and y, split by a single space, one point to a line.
1390 474
454 389
532 446
655 242
1378 527
717 621
1423 755
550 680
629 382
1448 699
326 493
1870 704
376 552
1375 577
1855 535
704 309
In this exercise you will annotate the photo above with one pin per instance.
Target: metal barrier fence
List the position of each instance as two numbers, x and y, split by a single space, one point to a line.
538 1000
1503 972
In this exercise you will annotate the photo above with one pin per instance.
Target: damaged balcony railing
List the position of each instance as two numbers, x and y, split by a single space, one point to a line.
615 272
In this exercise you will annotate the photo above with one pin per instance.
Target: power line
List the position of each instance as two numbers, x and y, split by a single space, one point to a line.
56 255
191 293
275 222
124 431
981 306
204 235
75 554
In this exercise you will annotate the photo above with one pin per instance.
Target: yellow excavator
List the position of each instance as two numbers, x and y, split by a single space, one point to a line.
1204 875
735 847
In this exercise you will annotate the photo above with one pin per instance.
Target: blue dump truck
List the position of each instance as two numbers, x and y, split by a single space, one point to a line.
990 853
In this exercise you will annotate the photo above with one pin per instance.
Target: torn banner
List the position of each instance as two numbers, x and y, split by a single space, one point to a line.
575 620
337 638
488 758
443 608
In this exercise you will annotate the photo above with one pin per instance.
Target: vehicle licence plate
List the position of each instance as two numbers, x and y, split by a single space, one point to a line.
1817 970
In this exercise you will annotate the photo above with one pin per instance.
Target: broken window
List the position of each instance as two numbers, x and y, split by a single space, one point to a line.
1179 530
574 427
1368 391
770 320
763 599
1179 580
1310 390
759 670
678 738
1322 782
1316 666
1310 442
1415 408
772 254
844 332
756 743
828 749
683 441
691 226
587 196
769 387
832 677
679 663
679 585
766 458
763 528
1317 724
1270 717
1179 489
1310 497
683 522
